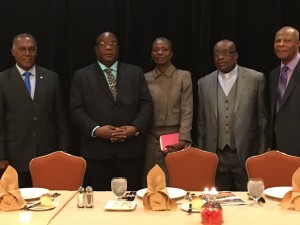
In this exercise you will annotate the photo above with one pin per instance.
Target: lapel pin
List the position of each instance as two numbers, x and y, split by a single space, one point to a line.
41 77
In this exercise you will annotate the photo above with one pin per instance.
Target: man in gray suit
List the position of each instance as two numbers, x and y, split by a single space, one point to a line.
284 92
32 112
232 116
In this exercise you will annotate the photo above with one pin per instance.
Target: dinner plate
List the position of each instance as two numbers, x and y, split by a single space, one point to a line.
32 193
120 205
43 208
185 207
277 192
173 192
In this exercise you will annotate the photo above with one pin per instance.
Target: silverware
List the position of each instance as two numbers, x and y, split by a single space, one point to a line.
33 205
190 209
53 196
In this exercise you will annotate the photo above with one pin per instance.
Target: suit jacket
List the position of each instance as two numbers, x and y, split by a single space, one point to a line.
31 127
173 106
285 125
250 113
92 104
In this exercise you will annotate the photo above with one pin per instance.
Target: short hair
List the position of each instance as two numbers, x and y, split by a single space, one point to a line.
165 40
23 35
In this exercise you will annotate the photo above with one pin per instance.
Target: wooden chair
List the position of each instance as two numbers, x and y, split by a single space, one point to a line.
192 169
57 171
274 167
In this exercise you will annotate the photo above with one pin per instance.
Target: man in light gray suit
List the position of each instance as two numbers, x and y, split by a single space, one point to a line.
232 116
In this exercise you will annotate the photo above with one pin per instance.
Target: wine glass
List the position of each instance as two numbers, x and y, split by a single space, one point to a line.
119 186
255 189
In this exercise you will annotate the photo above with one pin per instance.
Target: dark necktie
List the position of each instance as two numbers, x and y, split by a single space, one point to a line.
281 85
111 82
27 81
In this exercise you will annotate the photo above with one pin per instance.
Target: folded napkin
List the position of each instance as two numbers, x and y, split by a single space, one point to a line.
293 196
156 197
10 196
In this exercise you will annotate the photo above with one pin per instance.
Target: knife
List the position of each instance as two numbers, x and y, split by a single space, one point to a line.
33 204
39 202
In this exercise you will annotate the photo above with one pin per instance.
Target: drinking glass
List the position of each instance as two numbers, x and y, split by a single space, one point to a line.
255 189
119 186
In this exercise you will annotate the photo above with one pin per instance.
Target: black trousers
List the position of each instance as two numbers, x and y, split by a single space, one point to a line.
231 175
100 172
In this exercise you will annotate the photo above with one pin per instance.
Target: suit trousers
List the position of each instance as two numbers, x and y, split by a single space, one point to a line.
231 174
100 172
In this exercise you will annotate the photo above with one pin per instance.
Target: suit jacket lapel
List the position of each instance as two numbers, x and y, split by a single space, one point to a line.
292 83
39 82
214 93
18 80
273 88
103 82
241 82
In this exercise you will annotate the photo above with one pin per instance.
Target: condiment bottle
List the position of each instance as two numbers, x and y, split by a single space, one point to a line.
89 198
80 197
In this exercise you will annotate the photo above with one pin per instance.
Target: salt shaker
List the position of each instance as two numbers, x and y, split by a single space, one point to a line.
89 197
80 197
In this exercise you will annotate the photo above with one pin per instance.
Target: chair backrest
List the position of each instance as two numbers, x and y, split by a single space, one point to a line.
57 171
192 169
274 167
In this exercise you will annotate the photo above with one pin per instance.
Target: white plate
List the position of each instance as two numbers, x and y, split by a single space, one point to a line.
277 192
32 193
43 208
173 192
185 207
120 205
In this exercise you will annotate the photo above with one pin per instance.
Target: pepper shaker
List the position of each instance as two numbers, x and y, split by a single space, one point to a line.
89 197
80 197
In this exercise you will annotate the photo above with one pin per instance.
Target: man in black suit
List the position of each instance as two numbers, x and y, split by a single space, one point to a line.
32 114
111 104
284 87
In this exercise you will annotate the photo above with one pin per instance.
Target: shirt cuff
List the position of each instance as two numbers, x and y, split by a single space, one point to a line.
93 132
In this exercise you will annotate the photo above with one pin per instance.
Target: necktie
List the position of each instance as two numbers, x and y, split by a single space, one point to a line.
111 82
281 85
27 81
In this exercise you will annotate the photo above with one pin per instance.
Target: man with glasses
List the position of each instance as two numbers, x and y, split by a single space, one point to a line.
111 104
32 111
232 116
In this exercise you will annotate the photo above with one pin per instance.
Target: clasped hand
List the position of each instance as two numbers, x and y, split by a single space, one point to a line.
115 134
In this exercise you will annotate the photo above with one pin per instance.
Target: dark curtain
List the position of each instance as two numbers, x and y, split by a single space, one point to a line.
66 31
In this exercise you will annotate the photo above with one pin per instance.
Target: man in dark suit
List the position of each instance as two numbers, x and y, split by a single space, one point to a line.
232 116
284 92
32 114
111 104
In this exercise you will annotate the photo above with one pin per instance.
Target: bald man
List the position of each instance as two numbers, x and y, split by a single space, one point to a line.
284 93
111 104
232 116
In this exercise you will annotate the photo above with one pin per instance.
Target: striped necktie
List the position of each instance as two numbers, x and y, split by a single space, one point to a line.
282 84
111 82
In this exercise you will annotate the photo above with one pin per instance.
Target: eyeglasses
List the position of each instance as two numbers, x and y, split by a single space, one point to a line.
105 44
224 54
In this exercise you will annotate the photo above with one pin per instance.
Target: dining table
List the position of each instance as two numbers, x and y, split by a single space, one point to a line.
270 213
67 212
